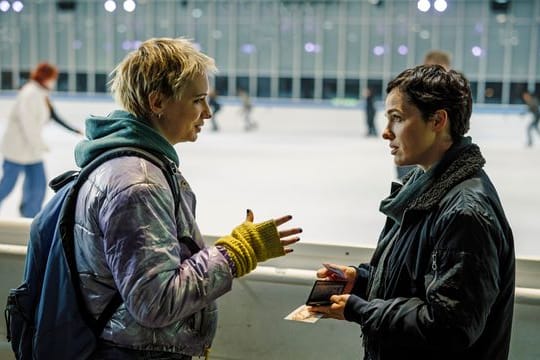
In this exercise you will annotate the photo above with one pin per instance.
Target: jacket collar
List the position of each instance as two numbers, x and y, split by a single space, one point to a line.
460 162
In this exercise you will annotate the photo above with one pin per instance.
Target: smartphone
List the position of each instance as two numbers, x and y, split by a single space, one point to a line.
337 271
322 291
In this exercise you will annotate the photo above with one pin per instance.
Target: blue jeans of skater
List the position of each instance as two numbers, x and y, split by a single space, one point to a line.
107 351
34 185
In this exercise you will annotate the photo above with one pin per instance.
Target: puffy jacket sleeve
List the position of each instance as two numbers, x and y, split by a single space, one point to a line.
144 256
461 287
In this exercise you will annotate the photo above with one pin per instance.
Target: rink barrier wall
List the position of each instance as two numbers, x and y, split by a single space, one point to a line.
296 269
251 321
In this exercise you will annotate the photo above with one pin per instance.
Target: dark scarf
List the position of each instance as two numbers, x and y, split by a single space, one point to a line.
423 190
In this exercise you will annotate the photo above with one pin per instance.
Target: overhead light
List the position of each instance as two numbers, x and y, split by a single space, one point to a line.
440 5
129 5
17 6
403 50
110 5
477 51
423 5
4 5
378 50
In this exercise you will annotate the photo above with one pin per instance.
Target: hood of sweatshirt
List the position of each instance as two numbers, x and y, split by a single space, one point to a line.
119 129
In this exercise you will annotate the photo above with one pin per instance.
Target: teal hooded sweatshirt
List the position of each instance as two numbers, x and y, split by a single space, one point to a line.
119 129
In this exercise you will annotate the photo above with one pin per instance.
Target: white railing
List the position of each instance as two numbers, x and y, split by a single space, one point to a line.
14 234
305 277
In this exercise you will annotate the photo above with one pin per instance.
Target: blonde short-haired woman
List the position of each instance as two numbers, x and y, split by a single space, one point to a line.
128 238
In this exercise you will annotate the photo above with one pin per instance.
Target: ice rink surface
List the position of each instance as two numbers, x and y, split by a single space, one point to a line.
315 163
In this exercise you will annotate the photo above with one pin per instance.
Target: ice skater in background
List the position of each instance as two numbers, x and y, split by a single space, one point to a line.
215 106
60 121
247 107
23 146
532 104
370 112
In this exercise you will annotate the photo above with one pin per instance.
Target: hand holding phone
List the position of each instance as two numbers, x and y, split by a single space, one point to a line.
323 290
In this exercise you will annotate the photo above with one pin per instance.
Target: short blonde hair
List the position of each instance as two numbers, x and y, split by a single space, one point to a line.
162 65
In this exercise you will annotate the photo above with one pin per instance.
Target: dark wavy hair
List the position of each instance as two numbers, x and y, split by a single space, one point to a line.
431 88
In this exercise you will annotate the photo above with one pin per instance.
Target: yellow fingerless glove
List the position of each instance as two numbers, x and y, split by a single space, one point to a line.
263 238
251 243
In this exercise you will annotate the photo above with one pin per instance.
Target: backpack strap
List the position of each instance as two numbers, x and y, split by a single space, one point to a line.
67 222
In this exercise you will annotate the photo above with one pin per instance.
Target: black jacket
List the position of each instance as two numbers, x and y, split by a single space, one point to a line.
447 286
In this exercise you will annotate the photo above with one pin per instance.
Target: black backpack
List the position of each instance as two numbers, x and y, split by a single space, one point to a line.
46 316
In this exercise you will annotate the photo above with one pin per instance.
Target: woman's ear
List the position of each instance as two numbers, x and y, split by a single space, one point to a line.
440 120
155 102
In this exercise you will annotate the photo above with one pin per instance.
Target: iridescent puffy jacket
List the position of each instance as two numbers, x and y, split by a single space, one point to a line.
126 238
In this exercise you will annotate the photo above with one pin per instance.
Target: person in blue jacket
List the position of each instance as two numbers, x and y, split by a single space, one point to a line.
440 284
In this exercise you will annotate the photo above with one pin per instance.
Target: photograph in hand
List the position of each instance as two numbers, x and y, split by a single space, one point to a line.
303 314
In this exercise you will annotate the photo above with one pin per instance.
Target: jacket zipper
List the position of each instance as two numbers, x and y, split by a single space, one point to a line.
434 268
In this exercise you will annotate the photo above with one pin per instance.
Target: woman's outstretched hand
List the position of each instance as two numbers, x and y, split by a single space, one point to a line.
287 237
